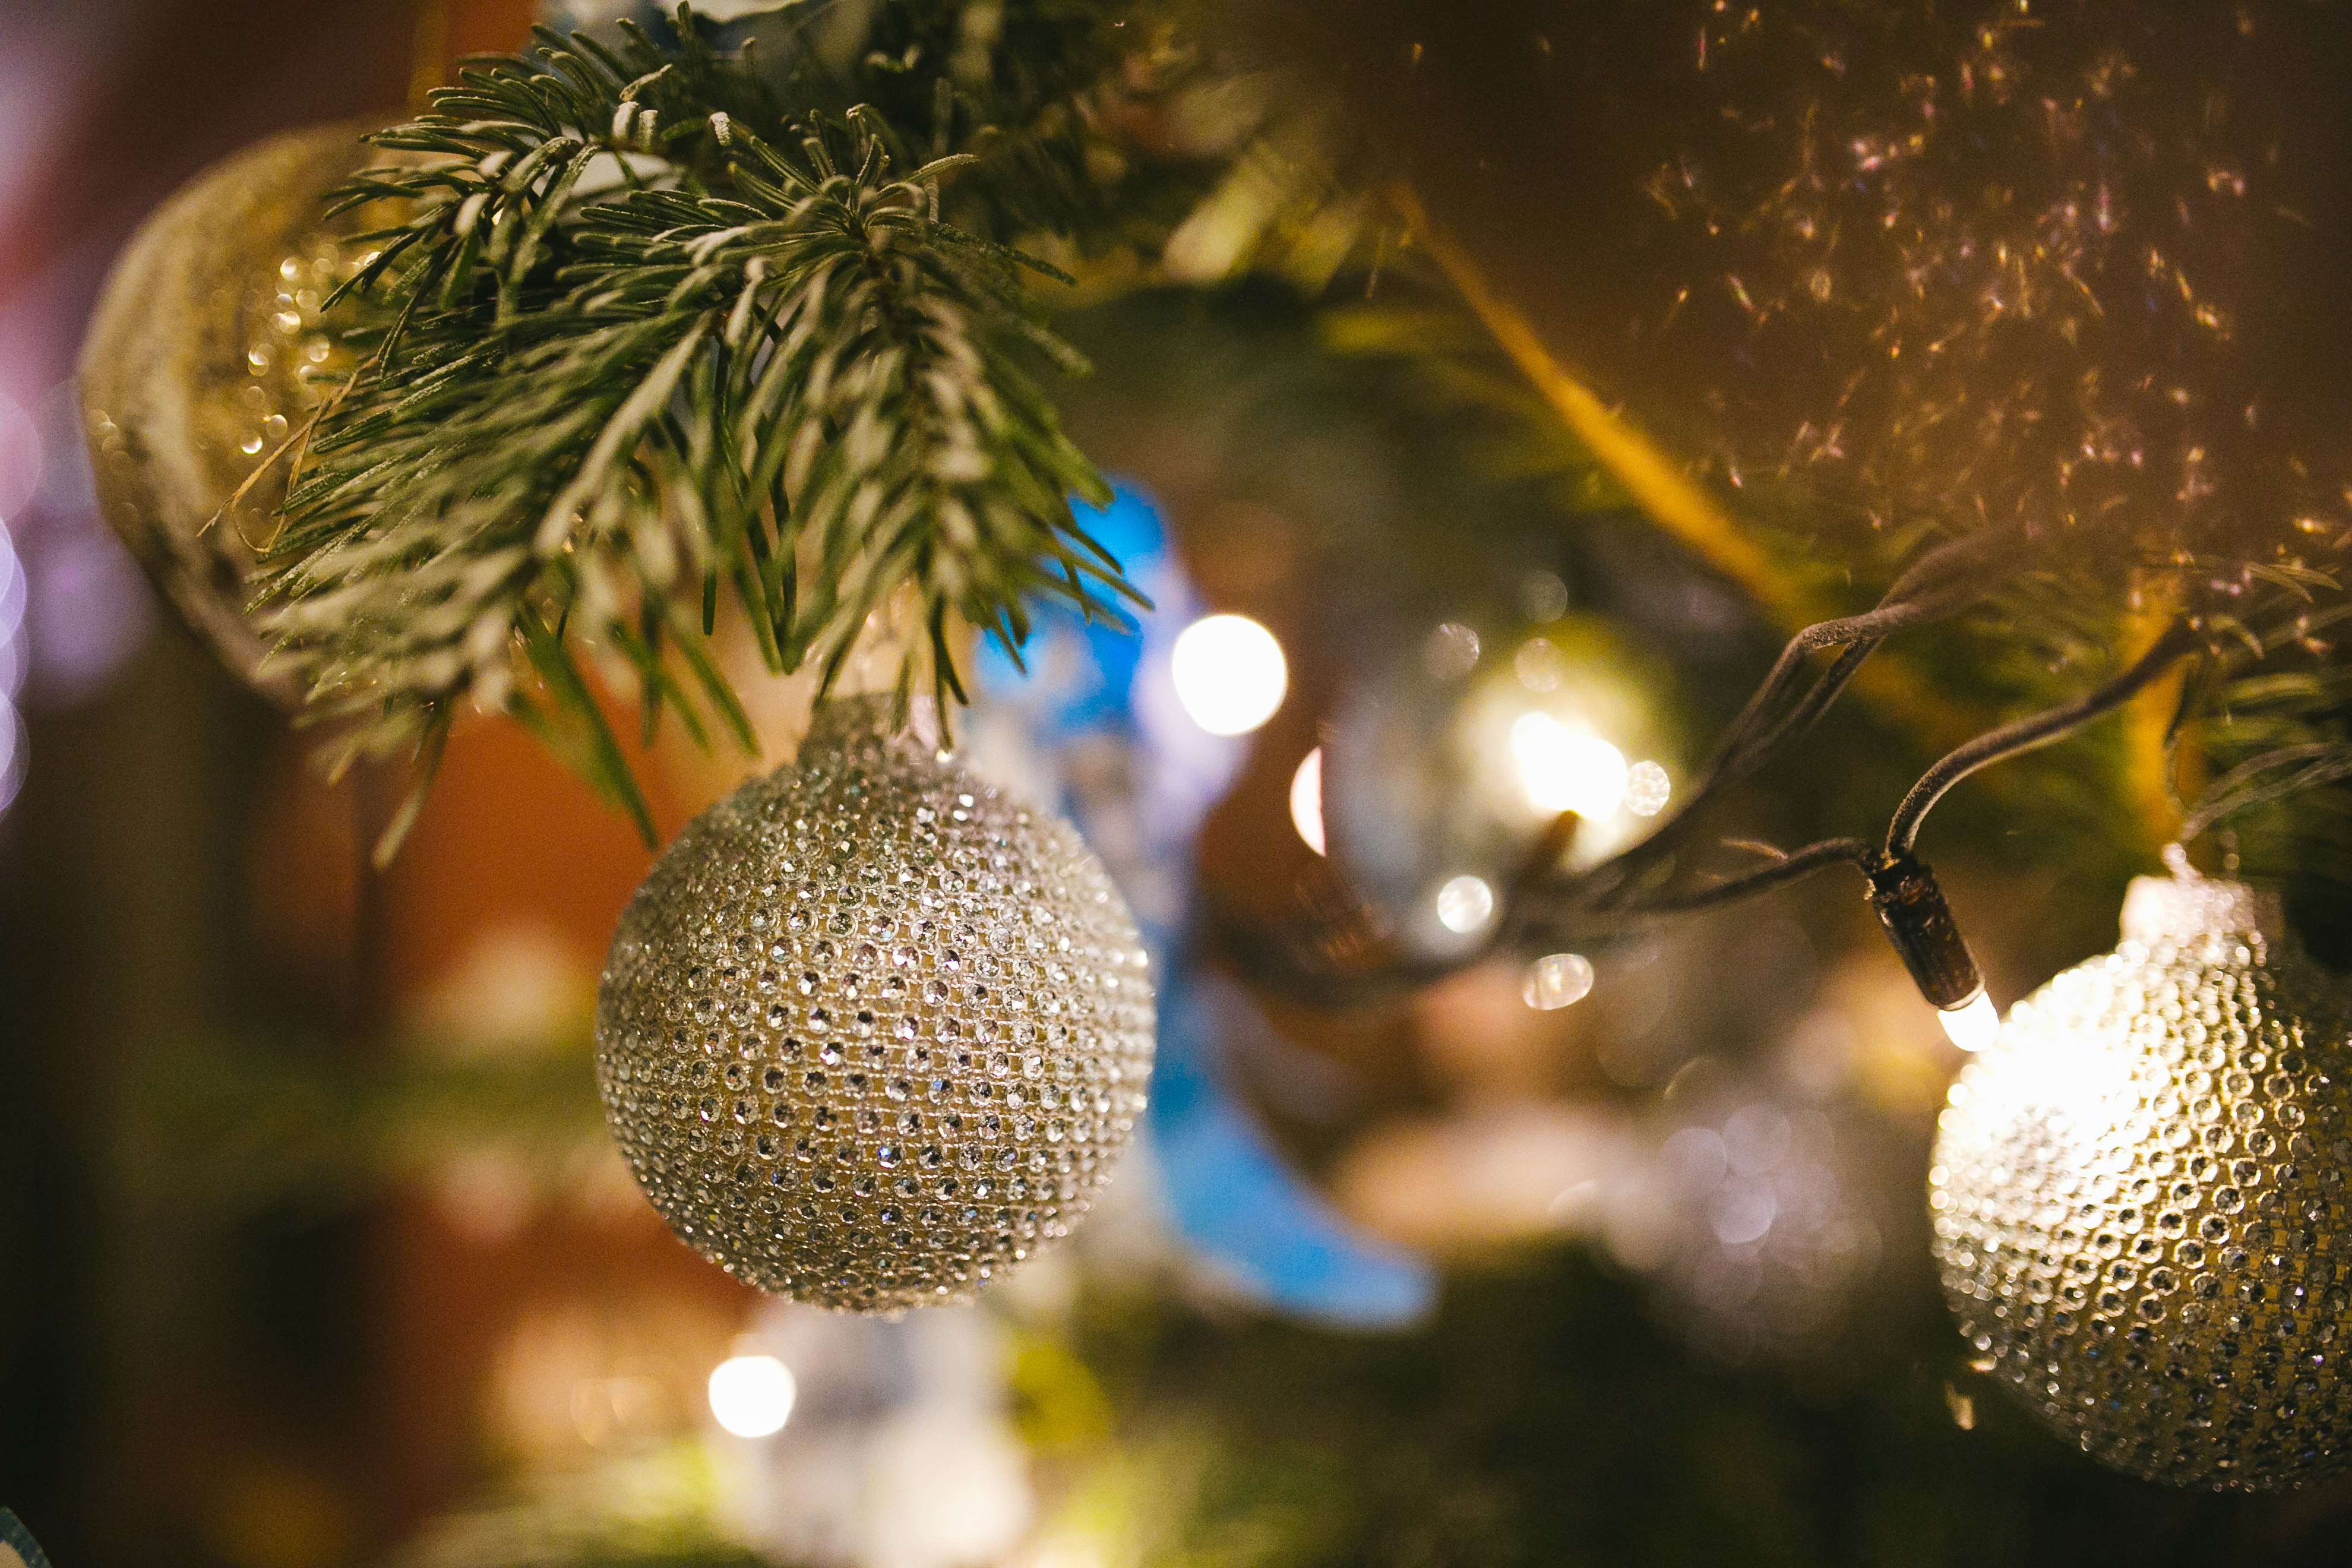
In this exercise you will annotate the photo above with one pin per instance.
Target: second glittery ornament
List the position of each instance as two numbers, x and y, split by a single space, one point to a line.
2139 1197
207 353
873 1032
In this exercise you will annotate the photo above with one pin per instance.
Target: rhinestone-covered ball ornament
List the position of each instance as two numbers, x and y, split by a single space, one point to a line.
2139 1197
872 1031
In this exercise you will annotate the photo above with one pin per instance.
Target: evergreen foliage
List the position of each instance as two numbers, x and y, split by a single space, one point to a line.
657 325
646 329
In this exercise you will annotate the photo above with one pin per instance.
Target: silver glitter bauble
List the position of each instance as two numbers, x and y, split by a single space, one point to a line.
205 352
873 1032
2139 1197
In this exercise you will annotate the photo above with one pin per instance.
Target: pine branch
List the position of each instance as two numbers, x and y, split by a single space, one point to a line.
756 362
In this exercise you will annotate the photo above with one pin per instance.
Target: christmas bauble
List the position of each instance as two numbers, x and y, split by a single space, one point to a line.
872 1031
1459 749
207 352
2139 1197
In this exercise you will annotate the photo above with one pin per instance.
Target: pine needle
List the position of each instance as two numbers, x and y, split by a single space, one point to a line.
757 345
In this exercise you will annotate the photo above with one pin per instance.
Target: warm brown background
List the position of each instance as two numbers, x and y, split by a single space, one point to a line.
303 1392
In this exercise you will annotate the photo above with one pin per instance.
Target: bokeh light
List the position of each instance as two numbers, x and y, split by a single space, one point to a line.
1557 980
1648 786
751 1396
1307 800
1229 674
1451 652
1464 904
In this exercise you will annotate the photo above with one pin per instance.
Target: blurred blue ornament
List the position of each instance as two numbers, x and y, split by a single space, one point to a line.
1094 723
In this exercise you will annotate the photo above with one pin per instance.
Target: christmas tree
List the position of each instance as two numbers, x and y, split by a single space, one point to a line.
1387 606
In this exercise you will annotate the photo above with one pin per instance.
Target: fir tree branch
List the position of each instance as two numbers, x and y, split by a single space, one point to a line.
756 360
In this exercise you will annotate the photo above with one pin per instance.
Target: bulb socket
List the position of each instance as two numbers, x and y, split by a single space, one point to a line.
1920 925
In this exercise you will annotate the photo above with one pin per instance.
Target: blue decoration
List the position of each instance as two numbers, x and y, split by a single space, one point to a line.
1098 727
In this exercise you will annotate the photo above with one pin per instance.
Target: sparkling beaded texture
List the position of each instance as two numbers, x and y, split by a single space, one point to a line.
2138 1196
873 1032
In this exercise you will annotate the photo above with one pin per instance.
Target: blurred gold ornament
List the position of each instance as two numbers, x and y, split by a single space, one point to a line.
206 354
872 1031
2139 1197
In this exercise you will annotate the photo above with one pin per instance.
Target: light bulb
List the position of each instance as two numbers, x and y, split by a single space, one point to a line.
1974 1024
1229 672
751 1396
1567 768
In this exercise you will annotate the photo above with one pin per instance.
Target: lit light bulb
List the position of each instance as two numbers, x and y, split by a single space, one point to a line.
1229 674
1568 769
1307 800
751 1396
1464 904
1974 1024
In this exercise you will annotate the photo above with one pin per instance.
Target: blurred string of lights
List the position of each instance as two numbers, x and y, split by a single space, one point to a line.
1600 852
1818 221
